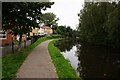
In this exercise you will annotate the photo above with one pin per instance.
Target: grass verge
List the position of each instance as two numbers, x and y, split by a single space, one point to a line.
11 63
63 68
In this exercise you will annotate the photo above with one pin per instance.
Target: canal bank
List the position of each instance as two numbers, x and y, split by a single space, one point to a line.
63 68
91 62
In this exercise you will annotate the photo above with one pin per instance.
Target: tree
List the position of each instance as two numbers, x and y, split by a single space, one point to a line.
92 19
98 23
50 19
20 17
113 27
66 31
69 31
61 30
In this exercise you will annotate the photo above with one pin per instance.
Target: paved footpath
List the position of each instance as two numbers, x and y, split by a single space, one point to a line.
38 64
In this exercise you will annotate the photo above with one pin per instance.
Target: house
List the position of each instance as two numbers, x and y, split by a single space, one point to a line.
34 31
6 37
42 31
47 30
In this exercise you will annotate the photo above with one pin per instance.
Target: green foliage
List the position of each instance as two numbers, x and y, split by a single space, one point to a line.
61 30
113 27
20 17
66 31
49 19
11 63
64 69
55 36
98 23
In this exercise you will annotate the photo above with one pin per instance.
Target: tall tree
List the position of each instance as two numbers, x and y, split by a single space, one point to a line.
49 19
20 17
98 23
113 26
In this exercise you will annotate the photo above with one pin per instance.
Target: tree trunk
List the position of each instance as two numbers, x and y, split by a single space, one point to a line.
31 40
25 43
12 47
33 37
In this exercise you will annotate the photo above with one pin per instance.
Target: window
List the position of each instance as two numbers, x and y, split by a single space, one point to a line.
2 35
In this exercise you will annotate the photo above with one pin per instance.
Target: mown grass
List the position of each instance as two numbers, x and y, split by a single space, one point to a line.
63 68
12 62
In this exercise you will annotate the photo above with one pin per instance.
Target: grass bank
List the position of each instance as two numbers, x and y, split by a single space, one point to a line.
12 62
63 68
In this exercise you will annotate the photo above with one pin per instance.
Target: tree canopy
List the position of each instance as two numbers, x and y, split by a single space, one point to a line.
20 17
49 19
99 23
66 31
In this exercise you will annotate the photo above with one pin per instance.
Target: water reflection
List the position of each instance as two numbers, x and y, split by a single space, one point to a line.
92 61
66 44
97 62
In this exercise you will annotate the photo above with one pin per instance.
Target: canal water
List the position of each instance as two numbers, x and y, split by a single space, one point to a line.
91 62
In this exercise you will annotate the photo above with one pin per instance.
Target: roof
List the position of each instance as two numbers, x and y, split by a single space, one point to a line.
46 27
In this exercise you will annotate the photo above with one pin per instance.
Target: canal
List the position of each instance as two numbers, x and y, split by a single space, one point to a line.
91 62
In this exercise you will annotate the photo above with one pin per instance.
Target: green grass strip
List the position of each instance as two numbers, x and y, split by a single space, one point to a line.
11 63
63 68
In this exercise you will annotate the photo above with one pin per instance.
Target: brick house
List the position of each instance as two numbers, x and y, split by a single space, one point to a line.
6 37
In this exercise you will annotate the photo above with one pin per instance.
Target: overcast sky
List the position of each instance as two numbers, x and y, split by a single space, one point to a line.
66 11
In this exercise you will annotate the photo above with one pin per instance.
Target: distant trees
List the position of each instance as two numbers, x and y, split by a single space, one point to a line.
99 23
49 19
66 31
20 17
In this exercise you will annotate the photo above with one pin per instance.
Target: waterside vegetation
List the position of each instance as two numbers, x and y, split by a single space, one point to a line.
63 68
